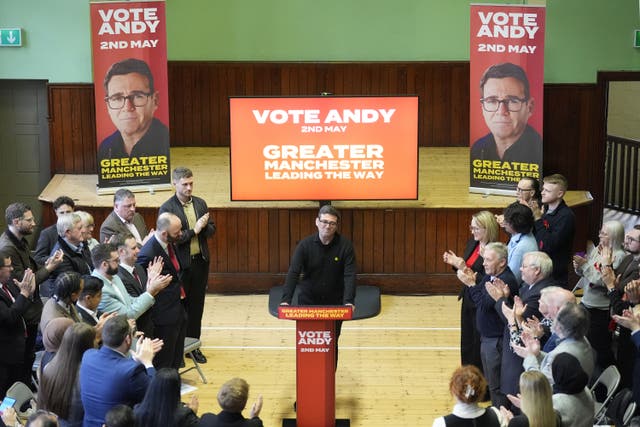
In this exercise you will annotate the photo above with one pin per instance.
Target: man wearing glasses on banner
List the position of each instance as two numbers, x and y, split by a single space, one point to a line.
507 106
131 100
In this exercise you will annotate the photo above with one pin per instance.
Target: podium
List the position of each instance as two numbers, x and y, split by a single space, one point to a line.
315 363
316 353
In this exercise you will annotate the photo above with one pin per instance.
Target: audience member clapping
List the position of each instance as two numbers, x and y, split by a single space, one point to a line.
468 386
534 401
232 398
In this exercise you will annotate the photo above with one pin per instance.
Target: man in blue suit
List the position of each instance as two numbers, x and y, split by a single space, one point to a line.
109 377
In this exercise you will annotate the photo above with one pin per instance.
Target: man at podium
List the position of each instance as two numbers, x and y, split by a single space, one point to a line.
323 267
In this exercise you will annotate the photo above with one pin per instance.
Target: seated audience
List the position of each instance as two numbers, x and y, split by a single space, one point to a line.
42 418
535 403
232 398
468 386
59 390
571 398
8 417
109 377
609 252
571 326
120 416
162 406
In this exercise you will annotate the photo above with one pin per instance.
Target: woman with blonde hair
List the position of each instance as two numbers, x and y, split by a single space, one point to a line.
535 403
484 229
468 386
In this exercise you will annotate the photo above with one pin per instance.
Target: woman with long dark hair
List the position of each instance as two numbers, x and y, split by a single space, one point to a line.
59 388
161 405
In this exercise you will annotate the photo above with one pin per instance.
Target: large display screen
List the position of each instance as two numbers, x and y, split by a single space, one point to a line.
324 148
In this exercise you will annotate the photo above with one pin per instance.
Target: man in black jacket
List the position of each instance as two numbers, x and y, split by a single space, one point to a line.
192 248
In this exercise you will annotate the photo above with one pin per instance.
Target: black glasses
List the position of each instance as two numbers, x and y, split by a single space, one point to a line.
138 99
329 223
513 103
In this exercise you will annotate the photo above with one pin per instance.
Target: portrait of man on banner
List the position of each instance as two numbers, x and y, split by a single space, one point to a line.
507 105
131 100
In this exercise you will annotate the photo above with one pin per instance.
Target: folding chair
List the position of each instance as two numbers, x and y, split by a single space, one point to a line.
609 379
621 408
191 345
23 396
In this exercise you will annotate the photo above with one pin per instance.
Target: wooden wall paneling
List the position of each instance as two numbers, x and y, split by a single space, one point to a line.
409 232
221 237
420 236
400 237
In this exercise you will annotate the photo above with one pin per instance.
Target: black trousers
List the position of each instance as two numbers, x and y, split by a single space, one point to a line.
172 353
195 280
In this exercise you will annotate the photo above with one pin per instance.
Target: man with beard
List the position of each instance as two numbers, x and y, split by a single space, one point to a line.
169 316
115 297
14 245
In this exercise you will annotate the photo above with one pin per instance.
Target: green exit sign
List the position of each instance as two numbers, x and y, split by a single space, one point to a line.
11 37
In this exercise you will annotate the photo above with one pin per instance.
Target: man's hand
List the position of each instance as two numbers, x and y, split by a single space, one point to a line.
533 327
519 308
256 407
493 291
633 291
201 223
144 352
54 260
531 345
467 276
353 307
193 404
629 320
28 283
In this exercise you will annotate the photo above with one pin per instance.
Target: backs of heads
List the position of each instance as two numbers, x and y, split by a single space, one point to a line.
520 217
120 416
115 330
572 321
467 384
54 331
91 286
233 395
568 375
66 284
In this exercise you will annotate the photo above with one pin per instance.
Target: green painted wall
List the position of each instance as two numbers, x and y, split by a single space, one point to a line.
583 36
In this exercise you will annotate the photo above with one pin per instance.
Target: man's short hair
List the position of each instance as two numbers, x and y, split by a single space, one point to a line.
181 172
233 395
92 286
519 217
122 194
128 66
67 222
572 321
499 248
557 179
66 284
164 221
101 253
120 416
63 200
540 260
115 330
120 240
329 210
42 418
15 211
504 70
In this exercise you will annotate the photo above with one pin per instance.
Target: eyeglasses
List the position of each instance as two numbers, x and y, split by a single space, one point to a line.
328 223
138 99
513 103
522 190
631 239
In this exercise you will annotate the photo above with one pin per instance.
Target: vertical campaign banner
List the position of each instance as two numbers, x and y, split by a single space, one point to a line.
506 90
129 47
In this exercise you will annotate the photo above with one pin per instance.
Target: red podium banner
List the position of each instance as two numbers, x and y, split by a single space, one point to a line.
315 361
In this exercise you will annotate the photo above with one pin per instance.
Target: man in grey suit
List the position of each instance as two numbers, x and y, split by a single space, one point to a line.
124 219
115 297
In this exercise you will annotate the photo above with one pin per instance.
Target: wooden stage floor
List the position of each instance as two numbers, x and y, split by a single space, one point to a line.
393 369
442 183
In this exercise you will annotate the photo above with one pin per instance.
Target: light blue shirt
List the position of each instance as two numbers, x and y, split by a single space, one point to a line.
518 246
115 298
